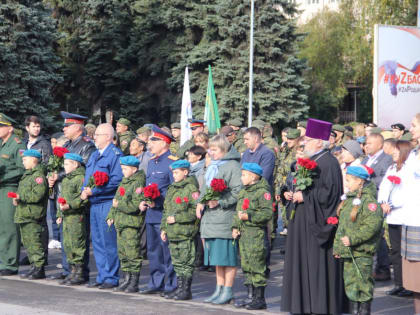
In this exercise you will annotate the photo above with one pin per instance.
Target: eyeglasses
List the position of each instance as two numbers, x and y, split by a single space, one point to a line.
155 139
100 134
194 128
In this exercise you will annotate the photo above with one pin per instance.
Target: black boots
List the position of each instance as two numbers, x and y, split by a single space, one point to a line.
123 285
133 284
354 307
76 277
185 290
26 275
179 286
258 300
248 299
364 308
39 273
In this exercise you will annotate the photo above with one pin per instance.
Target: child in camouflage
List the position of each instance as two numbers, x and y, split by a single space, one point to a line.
31 201
72 214
128 220
357 237
178 226
254 211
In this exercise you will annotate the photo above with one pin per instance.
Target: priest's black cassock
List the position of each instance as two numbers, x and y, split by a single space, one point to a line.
313 278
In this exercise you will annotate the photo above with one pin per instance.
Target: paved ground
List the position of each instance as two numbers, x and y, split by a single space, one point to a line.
19 296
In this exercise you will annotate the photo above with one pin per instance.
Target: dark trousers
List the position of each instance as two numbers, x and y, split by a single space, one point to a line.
143 241
52 211
395 254
160 262
382 257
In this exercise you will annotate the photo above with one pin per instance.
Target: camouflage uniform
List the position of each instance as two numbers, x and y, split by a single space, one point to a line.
128 221
181 233
251 242
31 211
182 151
174 146
124 140
364 235
239 142
74 218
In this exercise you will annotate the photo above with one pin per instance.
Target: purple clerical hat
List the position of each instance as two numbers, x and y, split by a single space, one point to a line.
318 129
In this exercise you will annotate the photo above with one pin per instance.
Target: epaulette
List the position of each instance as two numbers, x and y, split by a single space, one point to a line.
18 140
173 157
116 151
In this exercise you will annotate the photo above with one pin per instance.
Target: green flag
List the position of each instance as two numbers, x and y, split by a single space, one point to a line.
211 113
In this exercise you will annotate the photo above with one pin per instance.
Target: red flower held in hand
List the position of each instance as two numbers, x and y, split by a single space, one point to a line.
61 201
122 191
294 181
60 151
186 199
218 185
245 204
394 179
332 220
101 178
11 194
178 200
307 163
151 191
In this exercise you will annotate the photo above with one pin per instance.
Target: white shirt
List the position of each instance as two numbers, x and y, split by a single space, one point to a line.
102 150
412 193
372 158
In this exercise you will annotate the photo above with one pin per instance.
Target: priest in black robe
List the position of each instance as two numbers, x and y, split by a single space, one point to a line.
313 278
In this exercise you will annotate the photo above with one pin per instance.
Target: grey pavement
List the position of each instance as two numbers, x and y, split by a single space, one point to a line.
19 296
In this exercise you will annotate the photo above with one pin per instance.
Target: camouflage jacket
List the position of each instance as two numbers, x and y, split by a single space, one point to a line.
365 232
71 189
180 202
272 145
33 196
129 195
174 147
239 142
124 140
182 151
260 206
287 157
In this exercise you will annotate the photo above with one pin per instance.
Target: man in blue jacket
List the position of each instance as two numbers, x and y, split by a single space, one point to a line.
104 238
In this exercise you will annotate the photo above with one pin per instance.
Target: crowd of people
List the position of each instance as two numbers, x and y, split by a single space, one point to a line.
344 196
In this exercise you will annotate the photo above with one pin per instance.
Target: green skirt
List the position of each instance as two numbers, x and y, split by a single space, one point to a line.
220 252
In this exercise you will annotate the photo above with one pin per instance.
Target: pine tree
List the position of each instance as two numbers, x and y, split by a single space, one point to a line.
30 68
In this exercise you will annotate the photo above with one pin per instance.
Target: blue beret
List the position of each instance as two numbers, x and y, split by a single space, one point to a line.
252 167
358 171
180 164
74 157
32 153
129 160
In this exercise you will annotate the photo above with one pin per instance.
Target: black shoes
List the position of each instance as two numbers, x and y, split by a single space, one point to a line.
150 291
57 276
38 273
364 308
399 291
248 299
92 285
123 285
133 284
258 300
184 292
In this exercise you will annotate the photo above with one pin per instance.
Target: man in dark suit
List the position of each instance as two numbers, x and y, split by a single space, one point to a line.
379 161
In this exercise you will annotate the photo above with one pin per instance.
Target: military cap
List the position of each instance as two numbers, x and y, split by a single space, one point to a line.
338 128
175 125
159 134
143 130
124 121
71 119
234 122
358 171
129 160
73 157
293 134
180 164
196 122
376 130
6 120
32 153
398 126
407 136
253 167
226 130
302 124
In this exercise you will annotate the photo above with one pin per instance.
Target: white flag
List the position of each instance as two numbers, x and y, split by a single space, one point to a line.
186 110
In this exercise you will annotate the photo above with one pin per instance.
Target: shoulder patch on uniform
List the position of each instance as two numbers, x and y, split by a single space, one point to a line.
21 152
195 195
267 196
372 206
18 140
173 157
139 190
39 180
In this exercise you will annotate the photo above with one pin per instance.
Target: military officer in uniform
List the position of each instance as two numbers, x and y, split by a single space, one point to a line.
11 170
197 126
124 135
238 142
158 172
176 133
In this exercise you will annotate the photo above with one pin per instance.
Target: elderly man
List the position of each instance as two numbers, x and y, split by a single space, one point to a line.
104 238
158 172
197 127
313 281
11 170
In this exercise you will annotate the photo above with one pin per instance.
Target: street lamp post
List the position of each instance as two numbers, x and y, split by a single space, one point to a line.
251 64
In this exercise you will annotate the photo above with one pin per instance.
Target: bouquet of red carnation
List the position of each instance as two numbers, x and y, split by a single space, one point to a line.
55 162
11 194
332 221
217 187
98 179
151 191
394 179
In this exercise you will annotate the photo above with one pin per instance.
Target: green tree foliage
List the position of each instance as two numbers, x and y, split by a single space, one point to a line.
29 66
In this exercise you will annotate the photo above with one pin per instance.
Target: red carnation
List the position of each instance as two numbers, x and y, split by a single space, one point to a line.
60 151
186 200
274 207
332 220
218 185
178 200
61 201
101 178
122 191
294 181
11 194
151 191
245 204
394 179
307 163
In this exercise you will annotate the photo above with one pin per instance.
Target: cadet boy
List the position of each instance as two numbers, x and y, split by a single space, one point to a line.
73 216
253 213
128 220
31 201
357 238
178 226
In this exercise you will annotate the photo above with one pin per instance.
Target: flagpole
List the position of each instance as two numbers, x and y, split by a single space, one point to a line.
251 64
